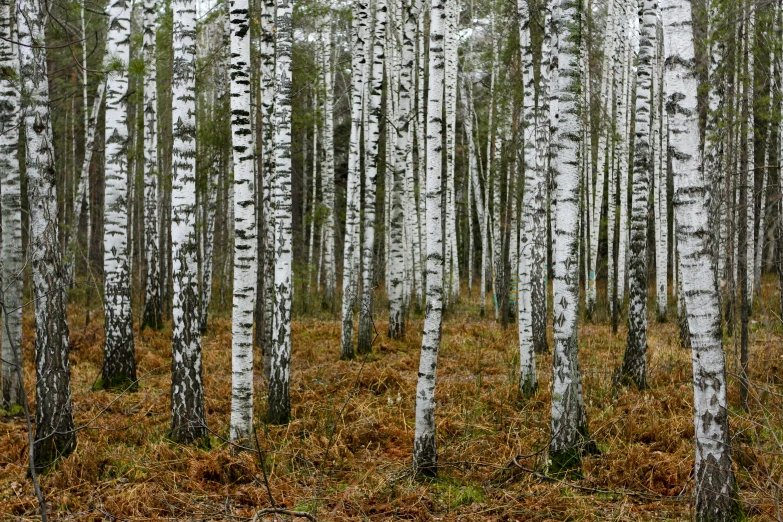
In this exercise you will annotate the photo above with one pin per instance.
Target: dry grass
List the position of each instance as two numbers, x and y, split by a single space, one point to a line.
347 453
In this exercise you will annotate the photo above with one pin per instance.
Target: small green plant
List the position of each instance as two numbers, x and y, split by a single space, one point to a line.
13 411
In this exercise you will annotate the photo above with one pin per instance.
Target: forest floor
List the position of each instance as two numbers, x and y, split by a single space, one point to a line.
346 455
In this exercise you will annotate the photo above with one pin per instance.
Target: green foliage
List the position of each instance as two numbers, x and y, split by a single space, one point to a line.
455 494
14 411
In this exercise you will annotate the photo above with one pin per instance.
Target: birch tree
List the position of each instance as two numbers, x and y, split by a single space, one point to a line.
601 158
152 303
358 58
403 157
569 420
188 420
635 360
425 455
624 122
327 168
714 479
660 188
119 360
373 135
55 436
450 109
279 401
539 286
267 66
530 240
11 189
245 258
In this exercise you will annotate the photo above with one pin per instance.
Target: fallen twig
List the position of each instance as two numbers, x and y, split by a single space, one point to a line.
284 511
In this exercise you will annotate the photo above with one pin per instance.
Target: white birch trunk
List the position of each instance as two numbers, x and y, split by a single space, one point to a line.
635 361
714 480
245 241
90 124
152 302
605 130
11 189
279 401
481 209
55 436
533 225
403 174
539 286
119 361
659 190
267 66
765 174
371 178
624 173
568 419
358 32
421 143
188 420
450 107
425 455
327 170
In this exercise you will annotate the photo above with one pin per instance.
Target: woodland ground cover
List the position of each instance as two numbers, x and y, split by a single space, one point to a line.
346 454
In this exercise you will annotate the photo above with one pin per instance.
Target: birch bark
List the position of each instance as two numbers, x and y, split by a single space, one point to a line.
635 360
604 135
245 258
267 66
539 286
188 419
11 189
55 436
279 401
403 152
152 304
327 169
530 236
425 456
714 480
568 419
119 361
371 178
358 59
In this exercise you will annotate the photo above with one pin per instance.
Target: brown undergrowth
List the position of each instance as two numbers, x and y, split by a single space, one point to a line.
346 455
